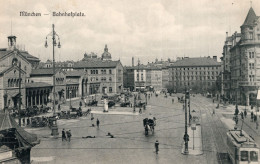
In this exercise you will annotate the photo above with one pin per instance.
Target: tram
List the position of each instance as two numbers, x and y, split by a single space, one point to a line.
242 148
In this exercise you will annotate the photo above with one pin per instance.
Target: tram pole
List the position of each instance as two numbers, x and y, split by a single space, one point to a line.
186 136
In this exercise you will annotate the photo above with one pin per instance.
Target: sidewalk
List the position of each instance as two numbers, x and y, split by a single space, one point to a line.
197 141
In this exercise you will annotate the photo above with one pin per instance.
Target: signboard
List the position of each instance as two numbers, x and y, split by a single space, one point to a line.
193 127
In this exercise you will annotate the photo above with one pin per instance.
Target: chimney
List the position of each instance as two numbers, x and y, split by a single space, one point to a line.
133 61
215 58
11 42
226 34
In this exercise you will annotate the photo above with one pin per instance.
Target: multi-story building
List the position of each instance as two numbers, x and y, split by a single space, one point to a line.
143 77
10 59
245 61
226 74
104 75
128 76
198 74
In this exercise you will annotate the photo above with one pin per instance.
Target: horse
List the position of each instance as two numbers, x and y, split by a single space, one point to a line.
149 124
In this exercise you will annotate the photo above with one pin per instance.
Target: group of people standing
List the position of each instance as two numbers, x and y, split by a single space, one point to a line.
66 135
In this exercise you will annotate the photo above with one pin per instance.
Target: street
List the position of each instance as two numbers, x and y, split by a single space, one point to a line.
130 145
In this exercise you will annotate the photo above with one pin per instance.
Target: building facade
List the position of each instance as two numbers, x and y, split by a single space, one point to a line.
198 74
244 53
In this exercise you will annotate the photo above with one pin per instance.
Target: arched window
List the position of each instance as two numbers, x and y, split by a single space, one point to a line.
17 82
14 83
8 83
14 61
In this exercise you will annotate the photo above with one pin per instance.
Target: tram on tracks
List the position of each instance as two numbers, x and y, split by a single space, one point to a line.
242 148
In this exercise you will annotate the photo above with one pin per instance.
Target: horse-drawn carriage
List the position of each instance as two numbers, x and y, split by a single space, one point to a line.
140 104
92 103
149 124
111 104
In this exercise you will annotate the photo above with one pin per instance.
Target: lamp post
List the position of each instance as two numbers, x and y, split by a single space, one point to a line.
189 108
70 100
53 34
186 136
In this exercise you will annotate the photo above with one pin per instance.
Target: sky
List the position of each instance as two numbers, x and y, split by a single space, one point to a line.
144 29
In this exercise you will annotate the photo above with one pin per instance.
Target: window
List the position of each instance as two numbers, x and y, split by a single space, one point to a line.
253 156
119 79
250 35
251 65
110 78
110 89
96 71
244 155
110 71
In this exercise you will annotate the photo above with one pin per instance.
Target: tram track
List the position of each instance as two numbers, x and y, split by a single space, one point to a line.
217 133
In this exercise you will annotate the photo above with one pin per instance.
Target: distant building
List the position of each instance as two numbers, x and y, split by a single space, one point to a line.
194 72
103 76
143 77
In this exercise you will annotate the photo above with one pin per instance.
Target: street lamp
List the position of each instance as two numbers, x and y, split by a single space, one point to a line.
70 100
53 34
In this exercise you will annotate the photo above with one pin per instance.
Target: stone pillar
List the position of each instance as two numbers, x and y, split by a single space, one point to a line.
39 100
27 101
247 99
35 99
31 99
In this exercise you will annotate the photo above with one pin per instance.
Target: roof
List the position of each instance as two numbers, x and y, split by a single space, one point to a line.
96 64
75 73
196 62
28 56
43 71
7 122
37 85
5 69
4 52
250 18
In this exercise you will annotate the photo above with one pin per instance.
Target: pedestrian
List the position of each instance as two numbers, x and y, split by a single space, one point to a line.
80 103
140 110
156 146
236 120
172 100
63 136
59 107
28 121
23 121
213 113
252 116
68 134
92 121
242 115
245 113
98 122
255 118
